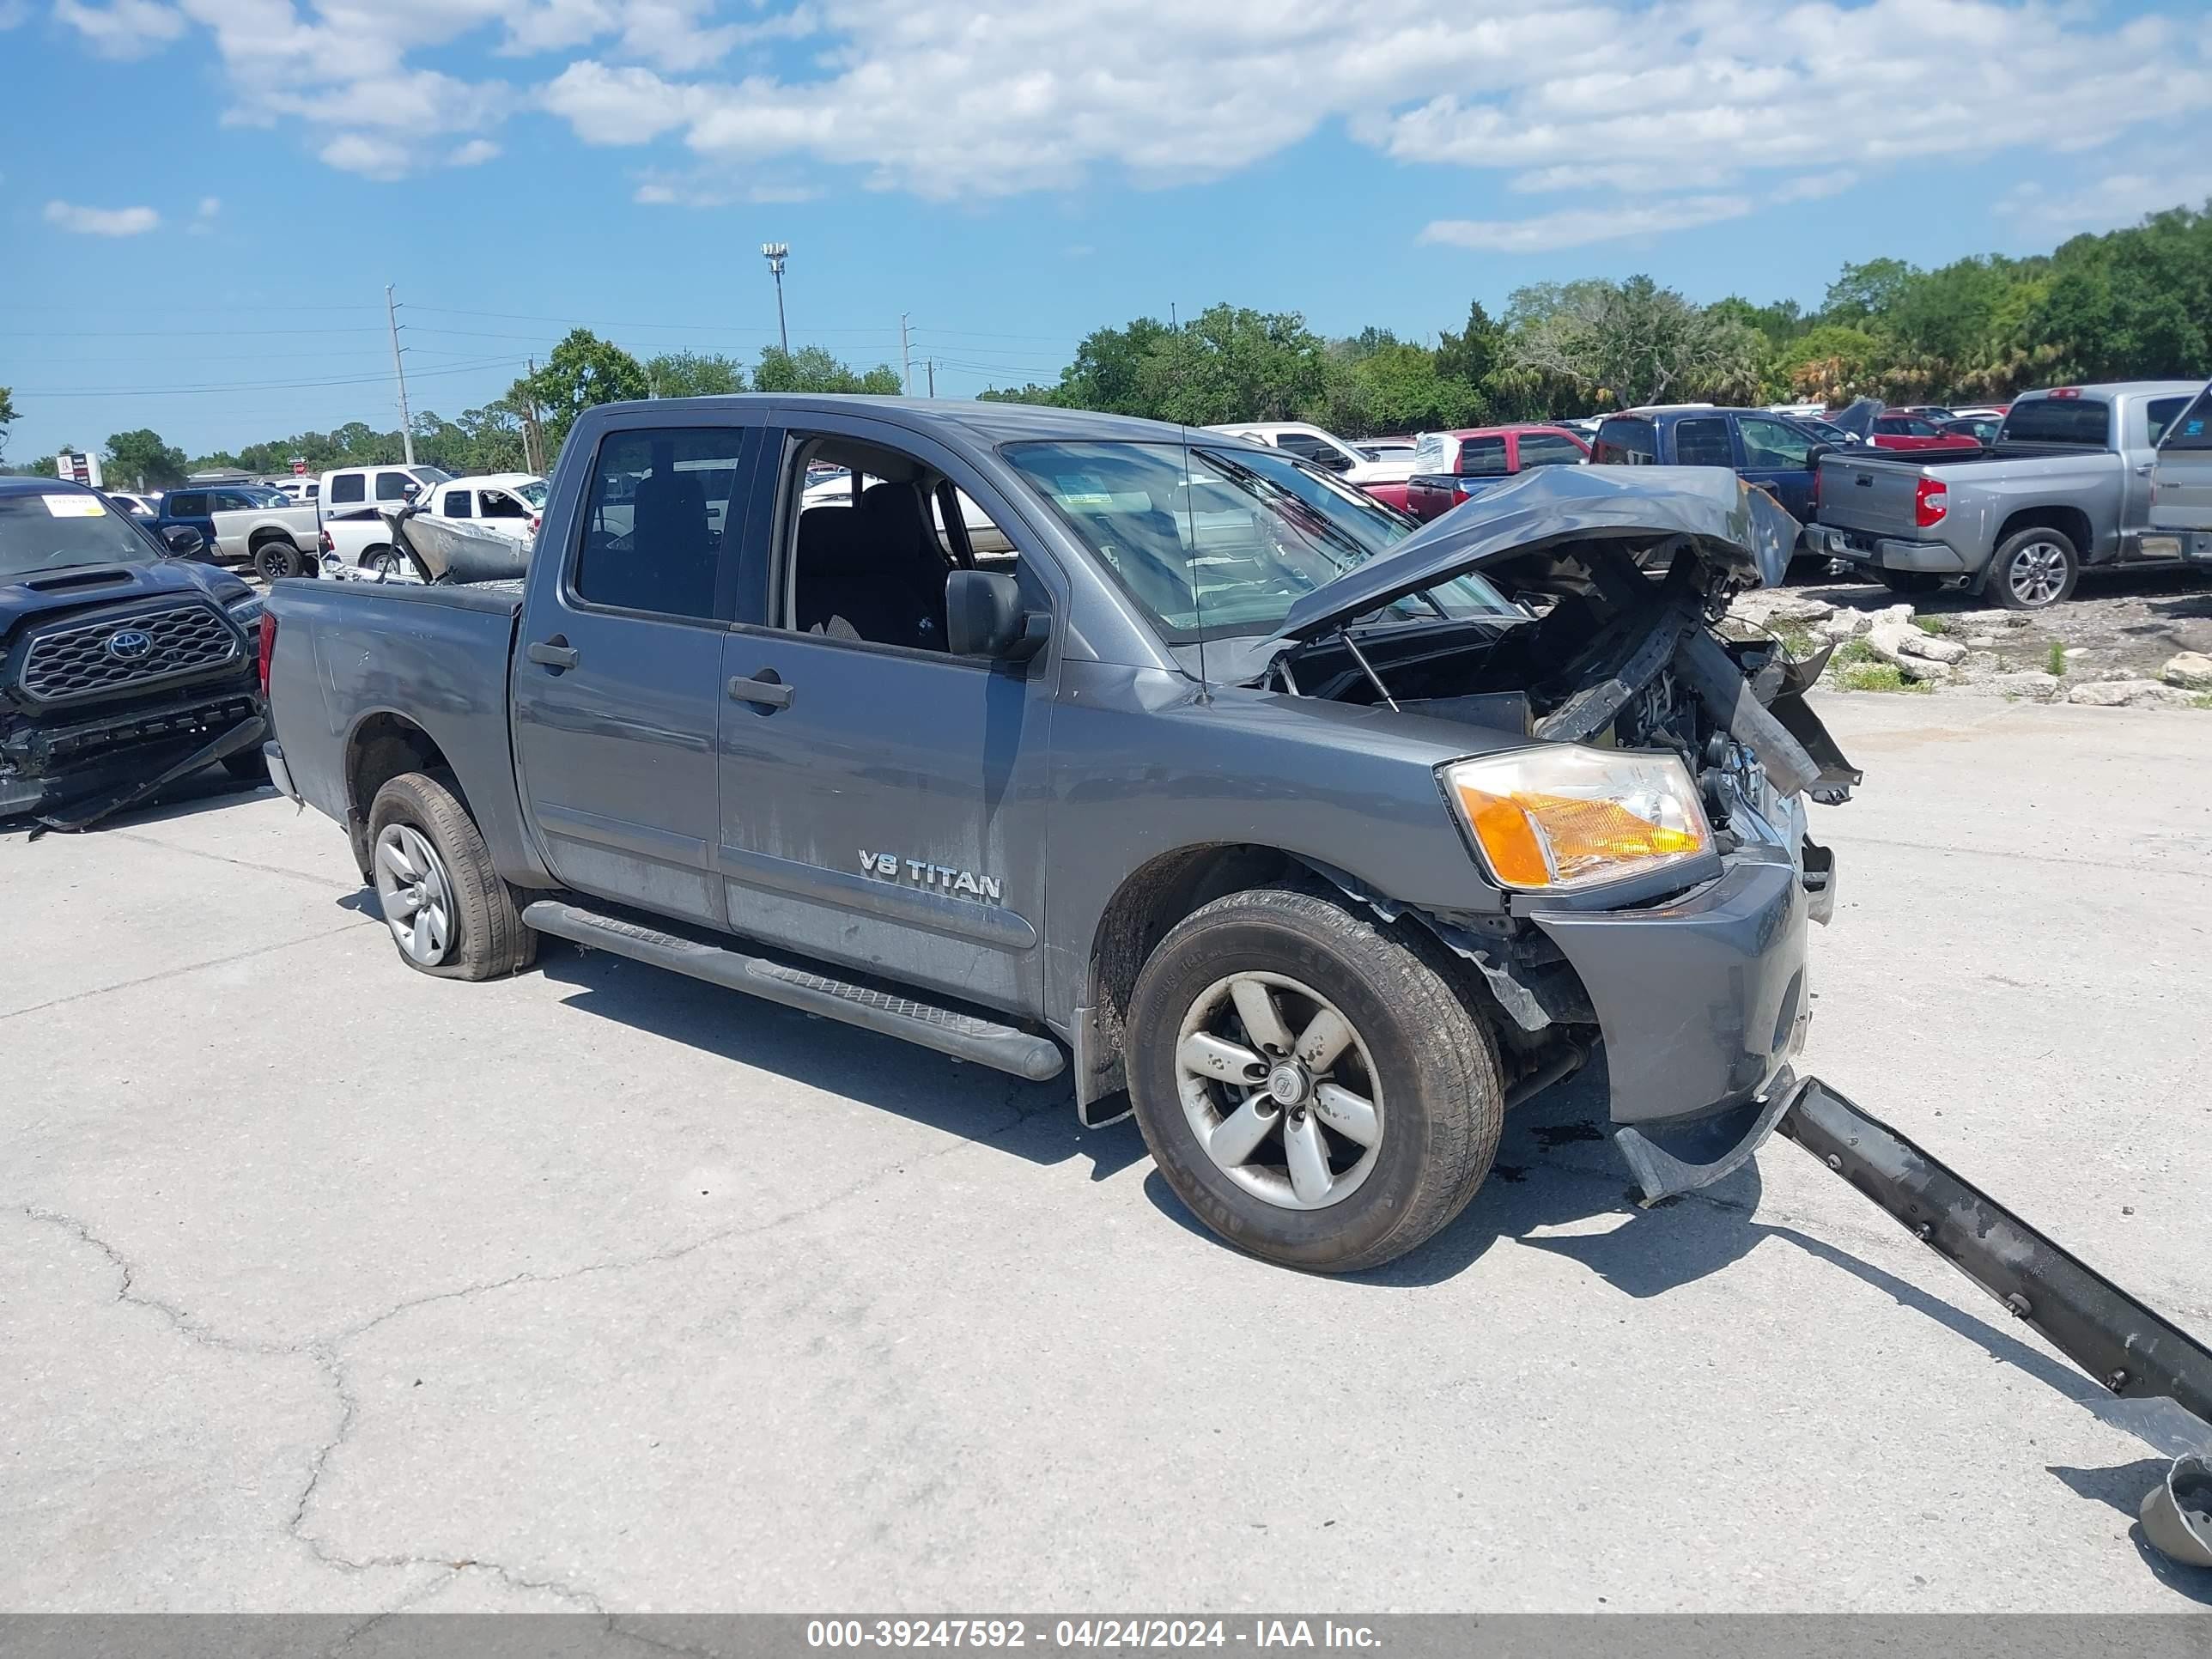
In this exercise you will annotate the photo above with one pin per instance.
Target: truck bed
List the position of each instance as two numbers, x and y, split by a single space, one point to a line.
1873 490
435 655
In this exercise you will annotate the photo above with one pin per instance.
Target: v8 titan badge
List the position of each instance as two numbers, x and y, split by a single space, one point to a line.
942 877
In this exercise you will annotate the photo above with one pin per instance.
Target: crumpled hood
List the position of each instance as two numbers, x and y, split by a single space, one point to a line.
1521 531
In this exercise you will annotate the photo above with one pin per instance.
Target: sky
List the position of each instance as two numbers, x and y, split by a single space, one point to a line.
202 201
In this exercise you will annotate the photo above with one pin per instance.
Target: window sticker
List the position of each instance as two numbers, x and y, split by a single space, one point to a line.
74 506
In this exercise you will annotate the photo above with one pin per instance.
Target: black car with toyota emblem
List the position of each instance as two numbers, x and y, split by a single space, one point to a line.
125 663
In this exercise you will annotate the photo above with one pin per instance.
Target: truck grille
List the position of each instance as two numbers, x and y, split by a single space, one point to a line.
116 652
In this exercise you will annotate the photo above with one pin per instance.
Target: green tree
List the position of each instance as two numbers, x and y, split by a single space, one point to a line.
1864 291
1832 363
141 460
7 415
1232 363
1624 344
582 372
1032 393
1476 352
693 375
1108 374
1393 387
811 368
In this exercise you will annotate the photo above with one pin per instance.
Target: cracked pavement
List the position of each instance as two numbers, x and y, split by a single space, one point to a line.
324 1286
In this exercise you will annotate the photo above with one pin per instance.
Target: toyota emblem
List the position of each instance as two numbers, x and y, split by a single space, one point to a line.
129 645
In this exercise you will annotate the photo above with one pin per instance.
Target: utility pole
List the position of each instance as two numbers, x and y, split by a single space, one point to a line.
399 373
932 377
775 253
532 461
905 361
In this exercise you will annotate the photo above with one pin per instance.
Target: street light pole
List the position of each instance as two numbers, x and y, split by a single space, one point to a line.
906 359
406 425
775 253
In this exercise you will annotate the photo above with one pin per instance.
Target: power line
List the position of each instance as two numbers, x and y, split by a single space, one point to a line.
267 386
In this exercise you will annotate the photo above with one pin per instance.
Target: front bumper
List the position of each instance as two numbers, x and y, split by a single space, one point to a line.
1886 552
1701 1000
46 767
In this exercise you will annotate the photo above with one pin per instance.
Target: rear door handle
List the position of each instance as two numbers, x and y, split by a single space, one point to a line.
768 692
555 653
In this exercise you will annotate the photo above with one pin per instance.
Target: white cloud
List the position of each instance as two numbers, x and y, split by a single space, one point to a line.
102 221
122 29
202 222
1579 227
209 206
2120 199
473 154
1654 101
712 191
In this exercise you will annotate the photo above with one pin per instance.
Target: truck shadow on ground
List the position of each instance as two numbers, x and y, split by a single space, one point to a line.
210 790
1032 1121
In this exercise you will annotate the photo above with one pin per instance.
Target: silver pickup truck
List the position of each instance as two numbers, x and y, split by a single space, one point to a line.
2066 484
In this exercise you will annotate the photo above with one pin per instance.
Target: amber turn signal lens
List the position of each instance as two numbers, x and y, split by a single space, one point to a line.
1575 817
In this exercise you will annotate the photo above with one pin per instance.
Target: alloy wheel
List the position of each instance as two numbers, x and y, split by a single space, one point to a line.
416 894
1279 1090
2037 574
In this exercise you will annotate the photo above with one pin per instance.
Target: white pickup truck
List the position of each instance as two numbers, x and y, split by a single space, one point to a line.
290 540
2066 484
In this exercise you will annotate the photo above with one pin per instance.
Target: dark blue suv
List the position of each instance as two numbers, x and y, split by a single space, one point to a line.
194 506
1760 447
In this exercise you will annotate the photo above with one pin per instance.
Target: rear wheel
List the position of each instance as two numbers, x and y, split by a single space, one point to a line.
449 912
384 561
274 559
2034 569
1313 1088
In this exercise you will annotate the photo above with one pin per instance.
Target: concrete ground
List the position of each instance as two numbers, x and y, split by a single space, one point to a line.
324 1286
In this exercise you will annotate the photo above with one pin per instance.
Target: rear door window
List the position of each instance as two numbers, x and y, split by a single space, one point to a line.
186 504
1703 443
1482 458
2081 421
653 517
348 487
458 503
1627 443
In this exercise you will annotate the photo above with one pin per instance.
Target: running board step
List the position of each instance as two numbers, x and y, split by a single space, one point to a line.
963 1037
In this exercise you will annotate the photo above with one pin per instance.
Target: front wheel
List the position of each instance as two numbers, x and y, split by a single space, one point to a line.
2034 569
384 561
450 912
1312 1087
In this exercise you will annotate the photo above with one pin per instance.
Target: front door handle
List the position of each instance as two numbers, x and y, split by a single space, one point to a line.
768 691
555 653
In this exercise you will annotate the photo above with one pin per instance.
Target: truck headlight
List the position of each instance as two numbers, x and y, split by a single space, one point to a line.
1563 817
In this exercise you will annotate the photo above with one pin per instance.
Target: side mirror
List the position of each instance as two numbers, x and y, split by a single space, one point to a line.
984 617
184 541
1812 456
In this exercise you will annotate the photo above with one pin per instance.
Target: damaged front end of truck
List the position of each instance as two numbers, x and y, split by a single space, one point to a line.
1624 579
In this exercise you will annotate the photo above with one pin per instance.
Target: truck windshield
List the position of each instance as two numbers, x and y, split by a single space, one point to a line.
2079 421
51 533
1223 547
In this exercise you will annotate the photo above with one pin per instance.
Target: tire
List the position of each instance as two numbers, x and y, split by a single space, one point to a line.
274 559
247 765
1416 1054
1910 581
2033 570
384 559
463 923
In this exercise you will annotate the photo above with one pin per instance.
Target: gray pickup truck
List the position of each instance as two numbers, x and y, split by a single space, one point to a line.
1325 842
2066 484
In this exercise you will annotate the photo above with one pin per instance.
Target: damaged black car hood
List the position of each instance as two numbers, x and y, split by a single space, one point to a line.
1510 533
